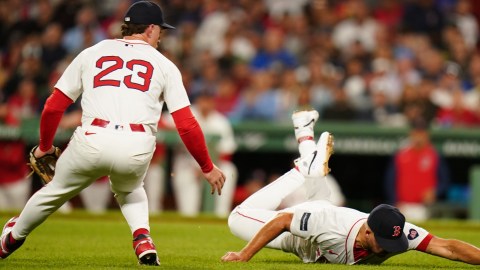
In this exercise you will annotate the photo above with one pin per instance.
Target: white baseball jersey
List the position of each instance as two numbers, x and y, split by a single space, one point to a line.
124 81
329 231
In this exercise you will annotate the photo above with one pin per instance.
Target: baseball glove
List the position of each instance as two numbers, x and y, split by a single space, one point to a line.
44 166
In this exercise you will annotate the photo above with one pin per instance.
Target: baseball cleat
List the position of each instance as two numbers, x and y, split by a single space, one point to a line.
316 164
6 247
304 122
145 250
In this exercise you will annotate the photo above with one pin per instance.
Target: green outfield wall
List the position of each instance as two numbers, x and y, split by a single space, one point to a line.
352 138
364 140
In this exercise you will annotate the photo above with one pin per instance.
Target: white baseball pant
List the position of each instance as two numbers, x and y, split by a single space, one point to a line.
94 152
250 216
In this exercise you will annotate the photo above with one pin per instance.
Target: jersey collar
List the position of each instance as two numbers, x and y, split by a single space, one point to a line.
350 242
132 41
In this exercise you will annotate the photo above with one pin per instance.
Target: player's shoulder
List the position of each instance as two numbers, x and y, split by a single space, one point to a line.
167 67
164 60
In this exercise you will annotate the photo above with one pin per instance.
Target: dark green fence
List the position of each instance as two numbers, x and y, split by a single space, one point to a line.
352 138
364 140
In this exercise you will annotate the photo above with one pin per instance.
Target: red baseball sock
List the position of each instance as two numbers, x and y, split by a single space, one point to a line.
140 231
305 138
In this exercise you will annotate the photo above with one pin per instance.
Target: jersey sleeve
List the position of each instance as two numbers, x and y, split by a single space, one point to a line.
70 83
418 238
175 95
307 224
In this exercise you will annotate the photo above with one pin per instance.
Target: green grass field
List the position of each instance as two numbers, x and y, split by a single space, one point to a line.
83 241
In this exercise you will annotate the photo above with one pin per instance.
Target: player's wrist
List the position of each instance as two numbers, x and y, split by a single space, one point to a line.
208 168
41 152
245 255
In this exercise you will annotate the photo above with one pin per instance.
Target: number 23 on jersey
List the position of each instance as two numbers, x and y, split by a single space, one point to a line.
109 64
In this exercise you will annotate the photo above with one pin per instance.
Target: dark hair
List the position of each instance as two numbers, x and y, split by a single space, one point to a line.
130 29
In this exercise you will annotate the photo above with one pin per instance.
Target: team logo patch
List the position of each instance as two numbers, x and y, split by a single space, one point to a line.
412 234
304 221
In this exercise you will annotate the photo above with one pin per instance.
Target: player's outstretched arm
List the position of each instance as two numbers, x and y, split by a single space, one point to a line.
454 250
52 113
267 233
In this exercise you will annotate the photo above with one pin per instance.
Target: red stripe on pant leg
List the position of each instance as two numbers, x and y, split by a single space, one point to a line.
254 219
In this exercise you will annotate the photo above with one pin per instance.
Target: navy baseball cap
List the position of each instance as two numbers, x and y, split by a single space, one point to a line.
146 12
387 223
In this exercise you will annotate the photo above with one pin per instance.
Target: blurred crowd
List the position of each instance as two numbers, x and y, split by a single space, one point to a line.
379 61
353 60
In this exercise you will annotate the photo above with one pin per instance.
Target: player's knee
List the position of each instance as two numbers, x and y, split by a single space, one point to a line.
232 218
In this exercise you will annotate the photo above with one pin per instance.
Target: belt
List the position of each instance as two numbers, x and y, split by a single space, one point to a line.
104 124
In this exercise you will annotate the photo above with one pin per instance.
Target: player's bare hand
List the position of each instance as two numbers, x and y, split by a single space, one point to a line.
233 257
216 178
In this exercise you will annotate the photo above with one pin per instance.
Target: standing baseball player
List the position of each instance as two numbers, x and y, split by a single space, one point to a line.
185 172
316 230
123 83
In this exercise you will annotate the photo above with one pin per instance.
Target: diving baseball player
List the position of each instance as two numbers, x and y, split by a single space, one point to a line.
316 230
124 84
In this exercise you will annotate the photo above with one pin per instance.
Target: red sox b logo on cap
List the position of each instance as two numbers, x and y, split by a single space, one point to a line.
396 231
382 220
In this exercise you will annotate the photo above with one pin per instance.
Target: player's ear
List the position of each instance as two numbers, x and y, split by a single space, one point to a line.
149 30
367 229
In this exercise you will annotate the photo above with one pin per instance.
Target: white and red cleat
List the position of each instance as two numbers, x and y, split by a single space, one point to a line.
6 245
145 250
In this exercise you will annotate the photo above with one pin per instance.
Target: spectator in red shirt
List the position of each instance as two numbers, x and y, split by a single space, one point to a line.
417 176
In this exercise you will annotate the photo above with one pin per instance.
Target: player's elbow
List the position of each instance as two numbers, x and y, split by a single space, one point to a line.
283 220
